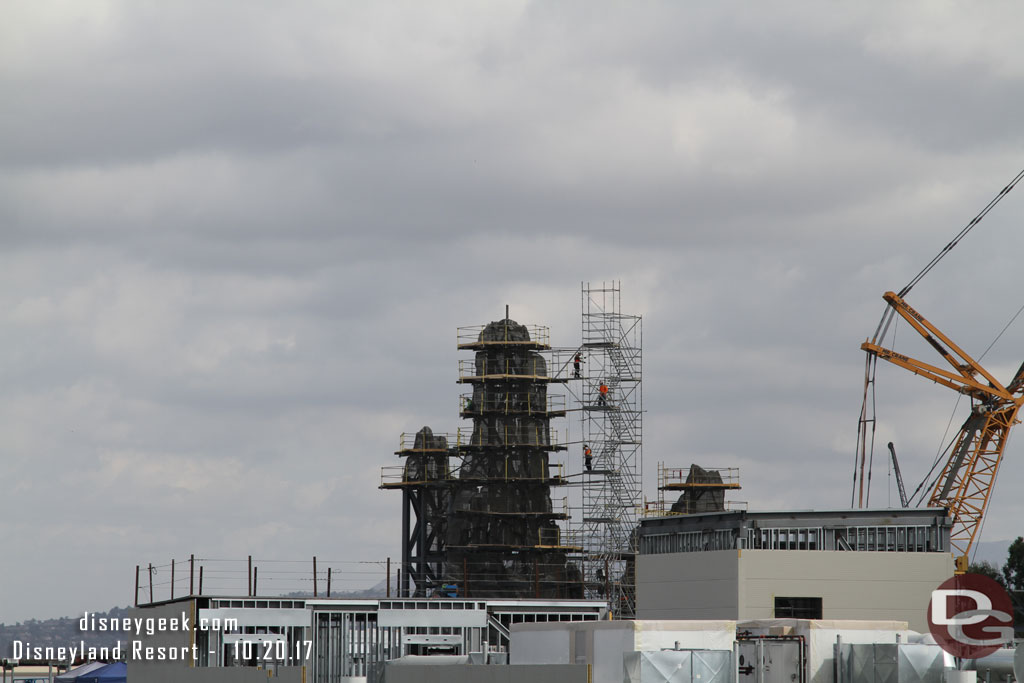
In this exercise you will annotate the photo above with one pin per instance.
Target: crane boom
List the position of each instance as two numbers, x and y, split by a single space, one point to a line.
899 476
966 481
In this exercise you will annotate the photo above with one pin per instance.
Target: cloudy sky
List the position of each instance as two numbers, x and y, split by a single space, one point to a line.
236 240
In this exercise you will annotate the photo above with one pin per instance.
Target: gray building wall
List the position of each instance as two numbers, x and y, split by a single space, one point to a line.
169 673
874 586
604 644
513 673
743 584
688 585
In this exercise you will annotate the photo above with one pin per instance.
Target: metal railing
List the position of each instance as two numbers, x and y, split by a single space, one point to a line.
558 507
469 336
393 475
676 476
407 442
511 403
532 368
501 436
660 508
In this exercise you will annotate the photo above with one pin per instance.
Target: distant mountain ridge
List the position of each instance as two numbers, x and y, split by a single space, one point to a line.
60 632
993 552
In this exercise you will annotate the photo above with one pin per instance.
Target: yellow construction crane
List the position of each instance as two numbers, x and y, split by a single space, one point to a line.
965 483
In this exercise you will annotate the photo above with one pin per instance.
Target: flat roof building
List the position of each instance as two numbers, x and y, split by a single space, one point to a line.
873 564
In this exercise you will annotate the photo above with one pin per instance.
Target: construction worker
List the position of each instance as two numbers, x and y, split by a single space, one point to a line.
576 361
588 457
469 404
602 394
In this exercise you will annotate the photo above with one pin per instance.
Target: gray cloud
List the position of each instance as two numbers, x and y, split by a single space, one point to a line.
236 241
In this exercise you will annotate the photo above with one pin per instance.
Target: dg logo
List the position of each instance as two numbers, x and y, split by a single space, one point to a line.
971 616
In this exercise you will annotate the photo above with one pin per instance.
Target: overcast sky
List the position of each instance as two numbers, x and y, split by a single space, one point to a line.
236 240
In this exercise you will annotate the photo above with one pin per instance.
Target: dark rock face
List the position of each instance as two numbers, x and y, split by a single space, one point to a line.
701 500
427 466
501 516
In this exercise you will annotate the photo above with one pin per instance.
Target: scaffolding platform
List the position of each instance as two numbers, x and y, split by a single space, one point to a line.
683 486
549 414
560 510
471 378
527 515
515 436
502 546
481 447
468 338
446 483
656 508
506 369
494 403
395 477
407 444
677 478
703 487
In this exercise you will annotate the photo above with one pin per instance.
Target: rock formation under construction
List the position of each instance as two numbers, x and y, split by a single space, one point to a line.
503 539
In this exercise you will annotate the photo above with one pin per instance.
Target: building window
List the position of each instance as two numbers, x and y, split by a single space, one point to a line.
798 608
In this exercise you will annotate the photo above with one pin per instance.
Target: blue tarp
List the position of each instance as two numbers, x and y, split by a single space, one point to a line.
111 673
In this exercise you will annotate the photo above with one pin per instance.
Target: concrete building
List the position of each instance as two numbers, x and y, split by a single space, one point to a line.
848 564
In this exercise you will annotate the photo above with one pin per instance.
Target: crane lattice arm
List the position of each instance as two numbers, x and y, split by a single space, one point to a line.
904 501
967 478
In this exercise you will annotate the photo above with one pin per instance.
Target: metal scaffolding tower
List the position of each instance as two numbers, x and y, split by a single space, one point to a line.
611 409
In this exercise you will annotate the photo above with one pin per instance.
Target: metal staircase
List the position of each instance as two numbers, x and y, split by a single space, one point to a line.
611 491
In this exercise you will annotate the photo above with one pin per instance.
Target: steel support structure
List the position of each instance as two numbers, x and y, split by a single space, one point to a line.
425 481
423 542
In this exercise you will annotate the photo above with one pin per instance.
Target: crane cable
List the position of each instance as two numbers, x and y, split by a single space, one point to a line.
883 327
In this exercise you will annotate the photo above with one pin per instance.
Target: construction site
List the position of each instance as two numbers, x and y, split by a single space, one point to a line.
529 552
490 510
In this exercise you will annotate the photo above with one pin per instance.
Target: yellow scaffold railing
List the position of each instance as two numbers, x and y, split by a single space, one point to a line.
469 337
511 403
439 443
392 476
661 508
504 436
533 368
677 478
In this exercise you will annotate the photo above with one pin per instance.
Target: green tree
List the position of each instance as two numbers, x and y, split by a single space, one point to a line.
988 569
1013 570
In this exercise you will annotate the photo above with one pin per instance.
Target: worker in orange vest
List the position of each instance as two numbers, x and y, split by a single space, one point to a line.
576 360
602 394
587 457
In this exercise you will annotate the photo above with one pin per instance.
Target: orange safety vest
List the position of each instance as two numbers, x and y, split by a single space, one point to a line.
586 452
603 389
